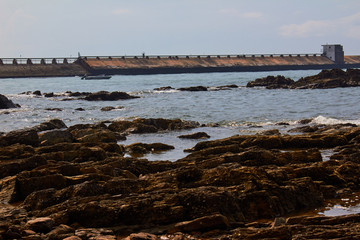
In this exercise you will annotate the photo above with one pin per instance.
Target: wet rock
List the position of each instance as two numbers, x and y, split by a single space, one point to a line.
25 136
54 109
164 88
79 109
50 125
52 137
193 89
5 103
48 95
197 135
305 129
143 148
270 132
271 82
43 224
151 125
108 96
37 92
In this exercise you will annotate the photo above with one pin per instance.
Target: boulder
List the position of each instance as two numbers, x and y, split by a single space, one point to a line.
193 89
52 137
271 82
197 135
5 103
108 96
25 136
42 225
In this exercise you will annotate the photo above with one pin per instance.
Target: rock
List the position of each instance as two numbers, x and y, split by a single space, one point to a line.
48 95
142 148
72 238
206 223
37 92
50 125
26 136
151 125
270 132
42 225
93 233
305 129
197 135
53 109
106 109
61 232
108 96
164 88
79 109
52 137
142 236
193 89
271 82
5 103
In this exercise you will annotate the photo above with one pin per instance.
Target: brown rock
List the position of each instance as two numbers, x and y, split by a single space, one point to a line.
197 135
43 224
52 137
108 96
206 223
142 236
5 103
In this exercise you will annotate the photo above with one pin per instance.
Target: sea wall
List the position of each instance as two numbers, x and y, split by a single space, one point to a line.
198 64
41 70
132 65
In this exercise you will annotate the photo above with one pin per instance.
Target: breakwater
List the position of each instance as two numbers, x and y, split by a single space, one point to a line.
135 65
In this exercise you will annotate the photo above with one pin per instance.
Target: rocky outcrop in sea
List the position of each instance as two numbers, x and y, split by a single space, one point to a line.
325 79
78 182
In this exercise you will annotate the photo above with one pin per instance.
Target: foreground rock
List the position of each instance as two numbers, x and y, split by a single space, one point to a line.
83 186
5 103
325 79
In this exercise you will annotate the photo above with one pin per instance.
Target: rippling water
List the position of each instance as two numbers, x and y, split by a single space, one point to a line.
237 108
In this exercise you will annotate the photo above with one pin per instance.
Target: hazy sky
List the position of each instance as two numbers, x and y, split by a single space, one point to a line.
55 28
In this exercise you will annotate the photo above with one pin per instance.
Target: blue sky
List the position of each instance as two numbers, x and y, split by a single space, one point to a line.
49 28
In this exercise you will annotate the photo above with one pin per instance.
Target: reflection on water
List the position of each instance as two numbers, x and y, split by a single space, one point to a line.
343 206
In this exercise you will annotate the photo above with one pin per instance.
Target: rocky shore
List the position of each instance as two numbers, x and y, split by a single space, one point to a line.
80 182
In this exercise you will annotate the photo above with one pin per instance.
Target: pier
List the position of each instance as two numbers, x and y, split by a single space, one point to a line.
332 57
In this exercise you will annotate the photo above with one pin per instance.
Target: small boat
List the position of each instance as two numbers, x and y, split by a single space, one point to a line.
95 77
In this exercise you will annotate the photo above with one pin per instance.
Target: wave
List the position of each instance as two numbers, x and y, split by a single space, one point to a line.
331 121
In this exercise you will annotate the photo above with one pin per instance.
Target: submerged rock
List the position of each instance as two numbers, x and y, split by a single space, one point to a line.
197 135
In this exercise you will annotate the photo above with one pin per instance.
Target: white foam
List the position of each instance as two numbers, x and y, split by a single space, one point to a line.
331 121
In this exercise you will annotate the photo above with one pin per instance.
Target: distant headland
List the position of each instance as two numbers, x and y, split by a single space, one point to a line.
331 57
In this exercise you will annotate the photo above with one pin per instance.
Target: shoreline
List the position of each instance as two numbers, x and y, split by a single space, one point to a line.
77 179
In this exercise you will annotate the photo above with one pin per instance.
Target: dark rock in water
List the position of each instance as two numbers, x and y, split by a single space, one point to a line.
79 109
164 88
197 135
108 96
110 108
193 89
78 94
54 109
305 121
37 92
271 82
49 94
270 132
5 103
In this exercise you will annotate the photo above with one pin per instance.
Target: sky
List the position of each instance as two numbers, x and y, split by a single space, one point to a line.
63 28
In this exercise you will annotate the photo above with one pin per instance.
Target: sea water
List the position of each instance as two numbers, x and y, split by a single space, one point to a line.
236 111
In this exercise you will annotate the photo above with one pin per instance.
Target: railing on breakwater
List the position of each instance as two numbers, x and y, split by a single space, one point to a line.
39 61
199 56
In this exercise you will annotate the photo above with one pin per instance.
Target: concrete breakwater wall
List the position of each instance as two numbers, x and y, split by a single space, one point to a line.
217 63
131 65
40 67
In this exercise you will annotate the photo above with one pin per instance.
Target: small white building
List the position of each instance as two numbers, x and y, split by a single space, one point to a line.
334 52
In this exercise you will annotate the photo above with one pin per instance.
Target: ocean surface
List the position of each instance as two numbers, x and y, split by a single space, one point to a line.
235 111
